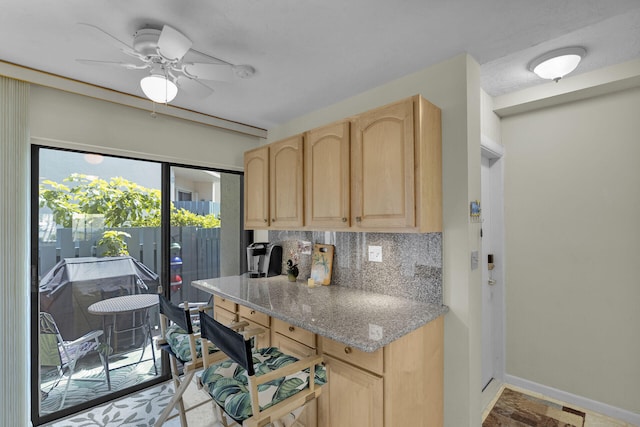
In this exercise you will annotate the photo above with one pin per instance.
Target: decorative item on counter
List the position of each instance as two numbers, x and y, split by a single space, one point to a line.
322 263
298 251
292 271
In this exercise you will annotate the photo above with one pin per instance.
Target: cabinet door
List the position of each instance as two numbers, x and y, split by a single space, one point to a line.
253 315
256 188
285 185
326 168
351 397
382 160
303 336
223 316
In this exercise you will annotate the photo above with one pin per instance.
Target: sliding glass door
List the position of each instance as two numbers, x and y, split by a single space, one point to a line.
111 233
207 237
98 239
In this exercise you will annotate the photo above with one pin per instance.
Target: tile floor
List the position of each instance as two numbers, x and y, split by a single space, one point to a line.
141 410
200 412
592 419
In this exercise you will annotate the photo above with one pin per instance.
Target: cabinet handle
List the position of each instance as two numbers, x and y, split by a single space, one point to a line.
347 350
291 329
344 219
358 219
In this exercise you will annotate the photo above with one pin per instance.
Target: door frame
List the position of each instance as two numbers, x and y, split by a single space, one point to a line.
495 153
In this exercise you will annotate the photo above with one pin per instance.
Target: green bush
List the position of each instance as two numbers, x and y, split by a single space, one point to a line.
122 203
114 244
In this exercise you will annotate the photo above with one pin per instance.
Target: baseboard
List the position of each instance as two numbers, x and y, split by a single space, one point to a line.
579 401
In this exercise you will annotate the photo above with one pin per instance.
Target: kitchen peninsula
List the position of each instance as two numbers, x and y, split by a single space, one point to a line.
384 354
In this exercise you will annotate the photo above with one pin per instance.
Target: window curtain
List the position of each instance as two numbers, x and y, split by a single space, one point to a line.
14 253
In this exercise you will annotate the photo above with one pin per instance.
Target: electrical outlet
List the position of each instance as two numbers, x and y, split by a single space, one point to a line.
375 332
375 253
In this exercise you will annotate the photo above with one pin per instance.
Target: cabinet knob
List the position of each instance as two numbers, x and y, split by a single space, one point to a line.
358 218
291 329
348 350
253 312
344 219
265 220
273 220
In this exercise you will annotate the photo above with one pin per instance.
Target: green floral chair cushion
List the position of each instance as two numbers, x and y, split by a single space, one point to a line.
227 382
178 340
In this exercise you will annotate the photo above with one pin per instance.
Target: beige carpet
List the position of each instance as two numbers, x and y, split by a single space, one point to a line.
515 409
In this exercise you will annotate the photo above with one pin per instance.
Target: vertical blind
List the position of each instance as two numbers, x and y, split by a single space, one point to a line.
14 252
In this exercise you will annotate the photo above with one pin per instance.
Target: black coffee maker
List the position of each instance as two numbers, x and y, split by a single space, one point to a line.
264 259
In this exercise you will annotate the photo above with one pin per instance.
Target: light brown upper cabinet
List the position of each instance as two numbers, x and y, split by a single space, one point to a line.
285 183
396 172
256 188
326 168
382 174
378 171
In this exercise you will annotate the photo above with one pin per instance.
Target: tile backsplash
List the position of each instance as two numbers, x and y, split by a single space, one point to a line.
411 264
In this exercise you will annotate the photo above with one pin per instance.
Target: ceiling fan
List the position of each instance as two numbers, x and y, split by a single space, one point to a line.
162 52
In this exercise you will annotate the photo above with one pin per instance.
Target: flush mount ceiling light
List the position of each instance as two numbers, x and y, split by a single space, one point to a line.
558 63
159 88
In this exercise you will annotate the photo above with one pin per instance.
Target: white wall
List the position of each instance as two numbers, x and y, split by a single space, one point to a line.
572 198
454 86
490 122
67 120
74 121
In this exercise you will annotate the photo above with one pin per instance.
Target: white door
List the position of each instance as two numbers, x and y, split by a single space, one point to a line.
492 286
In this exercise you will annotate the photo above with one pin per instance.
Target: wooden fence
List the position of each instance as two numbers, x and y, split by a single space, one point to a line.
200 253
199 208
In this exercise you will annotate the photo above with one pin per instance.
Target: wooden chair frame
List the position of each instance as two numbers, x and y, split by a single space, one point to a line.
171 313
240 351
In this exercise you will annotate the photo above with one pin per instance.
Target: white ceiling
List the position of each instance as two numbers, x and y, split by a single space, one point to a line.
311 54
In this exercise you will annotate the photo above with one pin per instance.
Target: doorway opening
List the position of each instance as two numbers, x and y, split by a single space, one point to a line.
493 263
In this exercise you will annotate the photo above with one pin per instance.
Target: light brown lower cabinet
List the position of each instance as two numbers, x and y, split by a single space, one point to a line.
224 316
352 397
401 384
299 343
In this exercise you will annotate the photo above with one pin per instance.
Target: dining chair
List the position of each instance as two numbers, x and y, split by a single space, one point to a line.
180 339
256 387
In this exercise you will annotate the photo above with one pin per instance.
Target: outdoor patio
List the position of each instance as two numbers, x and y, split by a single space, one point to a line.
89 381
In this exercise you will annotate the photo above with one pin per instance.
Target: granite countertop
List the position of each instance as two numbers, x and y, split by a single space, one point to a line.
363 320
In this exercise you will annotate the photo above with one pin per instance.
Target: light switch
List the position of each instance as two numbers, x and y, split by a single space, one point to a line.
375 253
474 260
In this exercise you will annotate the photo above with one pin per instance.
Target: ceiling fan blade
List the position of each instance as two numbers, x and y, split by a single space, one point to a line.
193 87
172 44
216 72
113 64
122 46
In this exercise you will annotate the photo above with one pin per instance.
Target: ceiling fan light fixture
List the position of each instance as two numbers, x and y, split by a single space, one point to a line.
558 63
158 88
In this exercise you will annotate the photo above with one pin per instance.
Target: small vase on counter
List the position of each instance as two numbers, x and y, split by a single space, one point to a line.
292 271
